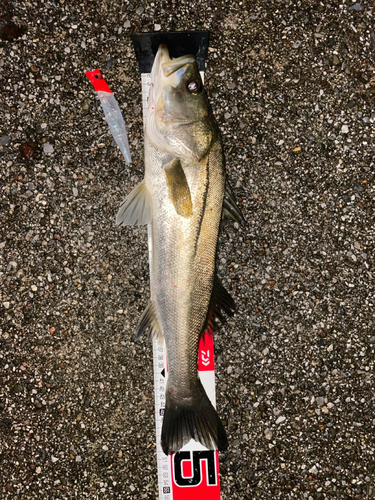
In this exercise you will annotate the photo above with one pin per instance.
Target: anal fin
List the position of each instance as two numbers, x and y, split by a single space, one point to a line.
149 320
178 188
137 207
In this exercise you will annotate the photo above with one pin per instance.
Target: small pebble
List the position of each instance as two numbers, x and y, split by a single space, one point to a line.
344 129
4 139
268 434
48 148
357 6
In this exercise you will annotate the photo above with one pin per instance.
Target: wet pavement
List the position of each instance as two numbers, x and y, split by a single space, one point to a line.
292 86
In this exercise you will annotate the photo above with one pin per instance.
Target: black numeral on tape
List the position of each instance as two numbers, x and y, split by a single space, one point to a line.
198 457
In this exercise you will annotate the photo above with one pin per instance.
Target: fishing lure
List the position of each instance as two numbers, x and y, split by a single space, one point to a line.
112 112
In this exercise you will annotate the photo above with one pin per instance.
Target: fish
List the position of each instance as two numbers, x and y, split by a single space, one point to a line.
183 198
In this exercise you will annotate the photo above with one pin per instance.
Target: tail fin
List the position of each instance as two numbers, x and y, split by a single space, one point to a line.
191 418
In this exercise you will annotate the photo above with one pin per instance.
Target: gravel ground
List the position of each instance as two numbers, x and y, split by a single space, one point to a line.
292 86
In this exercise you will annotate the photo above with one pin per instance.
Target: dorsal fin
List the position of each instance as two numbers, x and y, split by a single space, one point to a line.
230 208
220 302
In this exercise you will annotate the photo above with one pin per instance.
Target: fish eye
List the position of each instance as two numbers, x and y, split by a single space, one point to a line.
97 76
194 87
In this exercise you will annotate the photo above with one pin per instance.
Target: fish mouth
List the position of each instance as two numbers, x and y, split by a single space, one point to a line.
169 66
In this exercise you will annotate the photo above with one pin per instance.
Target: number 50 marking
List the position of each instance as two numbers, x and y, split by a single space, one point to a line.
196 467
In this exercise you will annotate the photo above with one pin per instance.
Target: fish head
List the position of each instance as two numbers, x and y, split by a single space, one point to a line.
179 118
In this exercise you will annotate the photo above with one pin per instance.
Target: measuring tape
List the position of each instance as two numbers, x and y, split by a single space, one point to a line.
193 472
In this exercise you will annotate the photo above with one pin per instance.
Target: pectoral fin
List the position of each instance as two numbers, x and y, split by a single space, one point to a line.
137 207
178 187
230 208
149 320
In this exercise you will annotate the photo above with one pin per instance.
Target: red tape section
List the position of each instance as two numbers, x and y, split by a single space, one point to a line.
195 475
98 81
206 352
